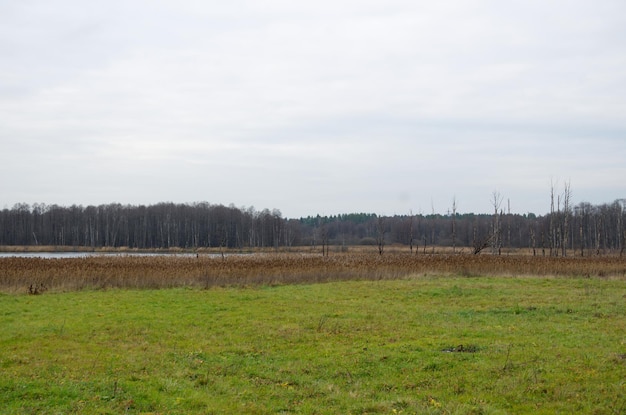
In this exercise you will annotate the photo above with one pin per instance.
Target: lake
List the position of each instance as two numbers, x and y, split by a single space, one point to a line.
61 255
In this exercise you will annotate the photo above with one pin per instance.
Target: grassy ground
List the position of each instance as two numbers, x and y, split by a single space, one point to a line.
440 345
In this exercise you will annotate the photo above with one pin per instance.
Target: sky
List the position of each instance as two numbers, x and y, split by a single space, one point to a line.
324 107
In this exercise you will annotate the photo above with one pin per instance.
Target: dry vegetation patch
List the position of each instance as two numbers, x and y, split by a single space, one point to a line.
37 275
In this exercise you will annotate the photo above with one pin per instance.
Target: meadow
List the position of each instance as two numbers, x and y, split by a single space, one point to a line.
354 334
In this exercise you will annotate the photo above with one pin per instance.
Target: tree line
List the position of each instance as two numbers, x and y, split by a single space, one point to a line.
584 229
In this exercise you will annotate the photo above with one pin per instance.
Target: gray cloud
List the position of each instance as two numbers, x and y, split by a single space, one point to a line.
312 108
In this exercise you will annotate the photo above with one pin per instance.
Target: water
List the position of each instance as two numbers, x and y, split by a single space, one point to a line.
61 255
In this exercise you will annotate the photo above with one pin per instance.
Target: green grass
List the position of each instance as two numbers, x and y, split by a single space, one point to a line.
453 345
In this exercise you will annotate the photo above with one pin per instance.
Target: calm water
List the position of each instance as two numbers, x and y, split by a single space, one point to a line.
58 255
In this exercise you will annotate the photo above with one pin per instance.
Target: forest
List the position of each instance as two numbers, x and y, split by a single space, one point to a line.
583 229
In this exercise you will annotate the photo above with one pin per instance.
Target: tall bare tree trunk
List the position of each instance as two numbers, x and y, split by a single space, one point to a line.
411 231
454 224
581 232
496 242
567 195
552 230
380 237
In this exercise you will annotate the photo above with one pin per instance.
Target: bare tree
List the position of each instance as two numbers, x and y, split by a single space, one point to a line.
324 238
598 225
581 233
380 234
496 242
508 223
432 230
411 231
454 224
567 197
621 227
585 228
552 231
479 245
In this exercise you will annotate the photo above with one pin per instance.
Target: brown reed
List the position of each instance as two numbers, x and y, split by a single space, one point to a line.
38 275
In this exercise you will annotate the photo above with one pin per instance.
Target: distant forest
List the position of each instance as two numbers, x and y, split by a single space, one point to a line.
583 229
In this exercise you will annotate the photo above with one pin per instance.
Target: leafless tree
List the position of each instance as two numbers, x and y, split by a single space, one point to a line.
324 238
586 228
581 228
432 229
496 242
454 224
552 221
567 197
621 226
380 234
411 231
508 223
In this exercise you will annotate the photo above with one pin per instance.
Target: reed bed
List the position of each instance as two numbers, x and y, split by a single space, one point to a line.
38 275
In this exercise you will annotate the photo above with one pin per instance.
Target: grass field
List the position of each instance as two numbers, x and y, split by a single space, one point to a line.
454 344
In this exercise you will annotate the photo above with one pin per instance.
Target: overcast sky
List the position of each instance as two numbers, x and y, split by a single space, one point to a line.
313 107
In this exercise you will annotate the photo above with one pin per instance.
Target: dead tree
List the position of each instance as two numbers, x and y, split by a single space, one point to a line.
411 232
324 238
454 224
552 221
479 245
567 196
380 235
495 238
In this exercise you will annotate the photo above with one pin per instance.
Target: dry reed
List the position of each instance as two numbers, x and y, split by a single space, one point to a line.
37 275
